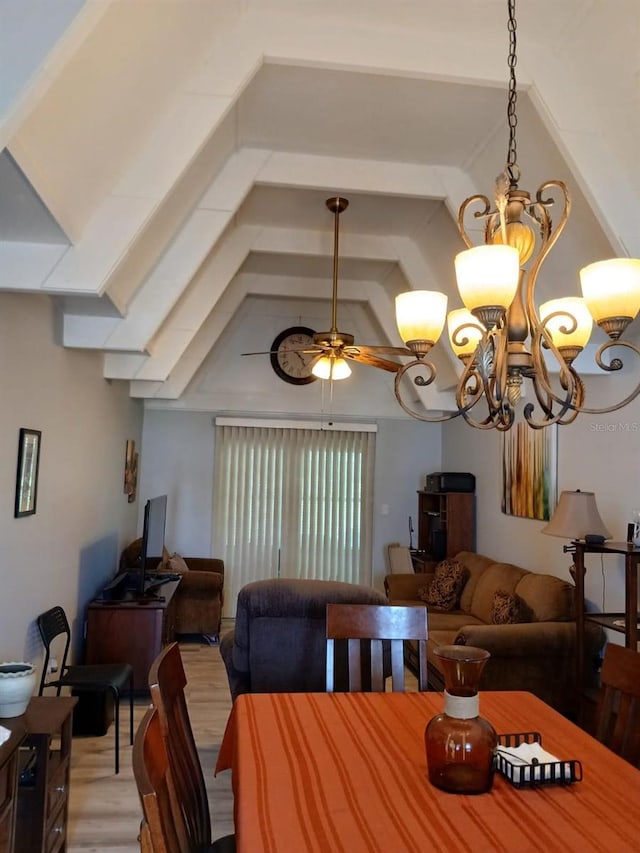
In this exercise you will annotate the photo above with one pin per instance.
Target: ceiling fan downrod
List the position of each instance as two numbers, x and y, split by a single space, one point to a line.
336 204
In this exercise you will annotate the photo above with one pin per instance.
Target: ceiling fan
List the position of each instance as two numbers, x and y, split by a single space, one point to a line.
333 345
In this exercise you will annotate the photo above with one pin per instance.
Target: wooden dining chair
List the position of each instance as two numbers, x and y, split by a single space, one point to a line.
618 710
167 681
376 623
161 831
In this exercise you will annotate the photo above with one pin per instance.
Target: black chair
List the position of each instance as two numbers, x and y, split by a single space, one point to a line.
110 678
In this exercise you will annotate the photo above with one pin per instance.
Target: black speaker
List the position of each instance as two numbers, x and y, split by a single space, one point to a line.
594 539
439 544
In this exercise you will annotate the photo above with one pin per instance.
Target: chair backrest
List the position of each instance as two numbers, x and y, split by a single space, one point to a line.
51 624
376 623
399 557
167 681
618 712
150 760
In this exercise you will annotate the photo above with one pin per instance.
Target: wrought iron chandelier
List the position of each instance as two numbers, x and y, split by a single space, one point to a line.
500 335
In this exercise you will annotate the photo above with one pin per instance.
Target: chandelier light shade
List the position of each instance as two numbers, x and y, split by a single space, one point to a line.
505 341
331 367
420 317
464 333
488 277
575 516
559 316
611 289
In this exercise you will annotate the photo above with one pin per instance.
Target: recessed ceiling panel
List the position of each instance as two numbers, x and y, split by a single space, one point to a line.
351 114
366 214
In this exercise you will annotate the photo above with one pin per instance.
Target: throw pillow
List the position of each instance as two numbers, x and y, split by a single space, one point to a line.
506 609
176 563
443 593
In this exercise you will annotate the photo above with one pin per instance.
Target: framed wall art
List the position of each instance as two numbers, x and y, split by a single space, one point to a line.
130 471
27 476
529 471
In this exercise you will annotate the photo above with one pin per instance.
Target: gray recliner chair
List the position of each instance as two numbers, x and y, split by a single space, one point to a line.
279 641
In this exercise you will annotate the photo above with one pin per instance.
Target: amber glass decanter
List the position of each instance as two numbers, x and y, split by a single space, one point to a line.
461 744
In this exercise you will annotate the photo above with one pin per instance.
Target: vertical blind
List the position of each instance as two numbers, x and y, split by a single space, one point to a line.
292 502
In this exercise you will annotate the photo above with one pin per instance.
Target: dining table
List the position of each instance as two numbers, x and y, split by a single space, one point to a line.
347 773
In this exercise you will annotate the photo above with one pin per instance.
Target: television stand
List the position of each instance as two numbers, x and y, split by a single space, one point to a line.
131 630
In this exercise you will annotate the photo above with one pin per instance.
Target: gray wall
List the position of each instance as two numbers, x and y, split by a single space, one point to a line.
65 552
599 453
178 461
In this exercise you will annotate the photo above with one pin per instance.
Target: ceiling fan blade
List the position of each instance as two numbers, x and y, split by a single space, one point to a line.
292 349
382 350
373 360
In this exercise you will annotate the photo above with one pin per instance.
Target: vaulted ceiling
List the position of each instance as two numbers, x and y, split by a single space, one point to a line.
165 161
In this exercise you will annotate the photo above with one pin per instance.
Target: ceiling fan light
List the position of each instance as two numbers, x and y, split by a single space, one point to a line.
420 315
462 322
331 367
611 288
576 308
488 276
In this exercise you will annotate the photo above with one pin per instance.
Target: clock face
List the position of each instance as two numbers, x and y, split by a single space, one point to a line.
287 356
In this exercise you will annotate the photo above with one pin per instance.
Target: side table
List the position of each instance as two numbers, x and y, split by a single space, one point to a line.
9 760
627 622
43 792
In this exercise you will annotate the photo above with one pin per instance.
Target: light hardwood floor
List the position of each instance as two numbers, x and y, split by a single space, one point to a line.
104 809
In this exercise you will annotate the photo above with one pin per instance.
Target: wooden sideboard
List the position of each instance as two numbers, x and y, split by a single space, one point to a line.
131 631
9 761
34 777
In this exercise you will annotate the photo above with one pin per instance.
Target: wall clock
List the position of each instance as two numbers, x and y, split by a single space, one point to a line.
287 358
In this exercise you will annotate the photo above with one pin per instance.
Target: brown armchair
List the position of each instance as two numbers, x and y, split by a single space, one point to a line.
199 598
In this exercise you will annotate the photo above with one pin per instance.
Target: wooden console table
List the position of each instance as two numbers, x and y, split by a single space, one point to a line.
131 631
631 554
9 760
41 747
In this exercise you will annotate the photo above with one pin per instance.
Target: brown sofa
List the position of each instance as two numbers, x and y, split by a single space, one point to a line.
537 655
197 603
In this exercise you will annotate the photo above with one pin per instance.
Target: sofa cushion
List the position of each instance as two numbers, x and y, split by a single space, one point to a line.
498 576
506 608
176 563
549 599
451 621
444 590
475 564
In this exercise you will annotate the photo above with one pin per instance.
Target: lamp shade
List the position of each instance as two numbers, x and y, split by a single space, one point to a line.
576 515
466 325
488 276
570 305
420 315
612 288
329 367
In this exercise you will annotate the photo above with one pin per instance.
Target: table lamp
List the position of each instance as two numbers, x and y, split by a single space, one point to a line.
576 517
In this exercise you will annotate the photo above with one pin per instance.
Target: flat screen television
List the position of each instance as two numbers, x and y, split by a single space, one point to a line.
155 515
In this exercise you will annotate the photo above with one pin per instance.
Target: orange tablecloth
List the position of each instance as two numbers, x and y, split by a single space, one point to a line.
346 772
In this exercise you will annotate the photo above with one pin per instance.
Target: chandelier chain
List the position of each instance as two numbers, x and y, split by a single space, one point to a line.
512 118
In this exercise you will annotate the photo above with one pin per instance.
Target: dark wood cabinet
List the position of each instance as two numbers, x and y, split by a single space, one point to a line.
131 631
446 523
9 761
43 793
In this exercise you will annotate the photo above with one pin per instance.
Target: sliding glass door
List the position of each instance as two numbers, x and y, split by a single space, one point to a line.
292 502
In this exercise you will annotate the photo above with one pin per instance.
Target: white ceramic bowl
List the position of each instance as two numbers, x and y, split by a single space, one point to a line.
17 683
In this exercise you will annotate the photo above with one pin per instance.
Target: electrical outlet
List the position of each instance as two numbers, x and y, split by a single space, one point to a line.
53 665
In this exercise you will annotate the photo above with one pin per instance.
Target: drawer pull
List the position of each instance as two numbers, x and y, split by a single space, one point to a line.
60 789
